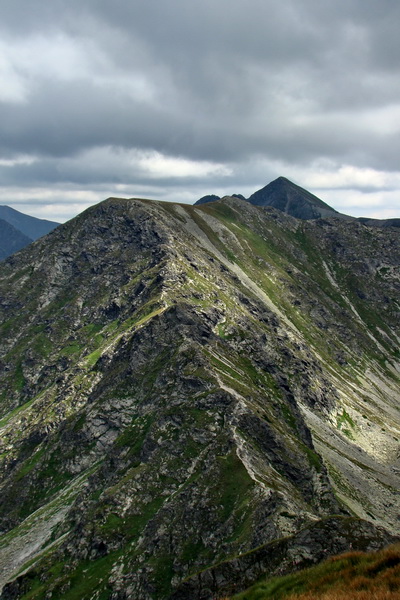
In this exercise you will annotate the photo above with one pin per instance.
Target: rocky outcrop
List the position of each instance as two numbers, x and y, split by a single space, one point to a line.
182 385
311 545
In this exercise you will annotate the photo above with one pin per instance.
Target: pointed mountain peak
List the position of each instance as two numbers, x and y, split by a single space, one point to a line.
292 199
282 180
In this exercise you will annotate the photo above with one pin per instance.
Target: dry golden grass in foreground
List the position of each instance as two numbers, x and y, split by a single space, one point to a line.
360 595
350 576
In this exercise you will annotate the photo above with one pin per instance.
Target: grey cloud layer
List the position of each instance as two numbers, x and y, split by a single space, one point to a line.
226 81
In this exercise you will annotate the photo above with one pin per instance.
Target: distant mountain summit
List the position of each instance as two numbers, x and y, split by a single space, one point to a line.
292 200
214 198
208 198
295 201
11 239
31 226
17 230
288 197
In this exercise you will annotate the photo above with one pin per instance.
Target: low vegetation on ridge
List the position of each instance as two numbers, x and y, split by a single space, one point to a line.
349 576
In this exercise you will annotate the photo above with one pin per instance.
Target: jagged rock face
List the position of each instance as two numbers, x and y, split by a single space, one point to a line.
327 537
183 384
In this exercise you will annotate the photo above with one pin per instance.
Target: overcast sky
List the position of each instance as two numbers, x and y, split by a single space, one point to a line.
175 99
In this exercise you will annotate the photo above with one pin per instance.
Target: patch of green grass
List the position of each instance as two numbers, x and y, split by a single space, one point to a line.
112 523
200 417
78 584
42 345
162 574
234 484
93 357
134 524
15 411
288 416
29 464
79 423
71 349
19 379
221 210
313 458
192 550
343 422
90 329
134 435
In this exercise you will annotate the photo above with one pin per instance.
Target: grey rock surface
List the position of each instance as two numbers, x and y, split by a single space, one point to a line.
181 385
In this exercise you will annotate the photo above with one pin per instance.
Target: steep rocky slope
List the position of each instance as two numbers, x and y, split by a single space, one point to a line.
180 385
349 576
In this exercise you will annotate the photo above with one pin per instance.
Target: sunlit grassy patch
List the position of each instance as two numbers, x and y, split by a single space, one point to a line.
350 576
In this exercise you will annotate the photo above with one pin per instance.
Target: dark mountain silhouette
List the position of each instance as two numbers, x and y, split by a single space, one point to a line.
32 227
297 202
11 240
292 200
214 198
379 222
208 198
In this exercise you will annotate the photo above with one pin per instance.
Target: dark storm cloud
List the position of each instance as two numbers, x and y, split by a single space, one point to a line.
292 85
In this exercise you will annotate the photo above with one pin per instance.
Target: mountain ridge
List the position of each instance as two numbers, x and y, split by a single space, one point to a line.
276 558
21 230
12 239
290 198
187 383
30 226
298 202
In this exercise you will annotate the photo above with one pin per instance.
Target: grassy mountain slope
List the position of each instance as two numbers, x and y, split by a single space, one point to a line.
351 576
181 385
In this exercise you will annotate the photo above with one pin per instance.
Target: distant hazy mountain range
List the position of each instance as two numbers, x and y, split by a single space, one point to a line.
298 202
17 230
